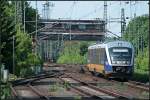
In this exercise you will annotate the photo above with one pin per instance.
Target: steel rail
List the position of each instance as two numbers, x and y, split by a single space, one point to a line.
30 81
41 95
135 85
84 92
118 95
14 93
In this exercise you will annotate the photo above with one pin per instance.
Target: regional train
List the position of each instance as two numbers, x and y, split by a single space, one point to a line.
112 59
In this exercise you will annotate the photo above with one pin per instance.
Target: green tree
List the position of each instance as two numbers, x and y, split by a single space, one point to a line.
142 60
25 58
23 43
30 15
74 53
7 30
137 32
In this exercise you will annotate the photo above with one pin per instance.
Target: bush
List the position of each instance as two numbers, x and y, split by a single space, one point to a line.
25 59
74 53
142 60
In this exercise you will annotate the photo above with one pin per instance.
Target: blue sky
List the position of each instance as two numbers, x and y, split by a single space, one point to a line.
94 9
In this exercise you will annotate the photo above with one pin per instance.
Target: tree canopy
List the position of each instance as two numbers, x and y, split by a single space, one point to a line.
7 30
137 32
24 57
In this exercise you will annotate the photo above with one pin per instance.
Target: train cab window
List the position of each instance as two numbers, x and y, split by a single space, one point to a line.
120 55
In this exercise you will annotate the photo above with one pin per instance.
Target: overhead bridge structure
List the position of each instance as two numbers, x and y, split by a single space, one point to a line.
87 30
54 32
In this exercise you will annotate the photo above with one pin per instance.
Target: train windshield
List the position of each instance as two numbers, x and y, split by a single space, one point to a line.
120 55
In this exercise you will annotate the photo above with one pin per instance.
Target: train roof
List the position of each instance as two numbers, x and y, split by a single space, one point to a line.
111 44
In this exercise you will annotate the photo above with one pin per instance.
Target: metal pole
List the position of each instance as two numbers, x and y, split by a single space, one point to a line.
42 50
46 50
122 22
13 54
70 32
105 16
36 26
24 17
70 39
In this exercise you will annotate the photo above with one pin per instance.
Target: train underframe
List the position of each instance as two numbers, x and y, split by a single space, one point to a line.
125 72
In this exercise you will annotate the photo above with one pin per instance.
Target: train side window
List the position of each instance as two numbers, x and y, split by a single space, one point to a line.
88 56
96 56
92 55
102 55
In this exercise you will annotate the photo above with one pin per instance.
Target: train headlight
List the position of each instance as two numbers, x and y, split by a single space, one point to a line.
119 62
123 62
128 62
114 62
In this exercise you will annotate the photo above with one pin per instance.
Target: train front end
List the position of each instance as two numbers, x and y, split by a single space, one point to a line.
120 59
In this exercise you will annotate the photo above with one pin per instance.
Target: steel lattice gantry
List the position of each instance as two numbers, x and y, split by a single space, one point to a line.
55 32
87 30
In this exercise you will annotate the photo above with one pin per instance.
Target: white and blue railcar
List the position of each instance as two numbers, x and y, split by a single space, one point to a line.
112 59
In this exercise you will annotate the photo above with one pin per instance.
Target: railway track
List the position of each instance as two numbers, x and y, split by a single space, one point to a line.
86 90
138 85
33 93
132 84
41 95
119 87
27 92
109 94
135 85
82 88
36 93
128 84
